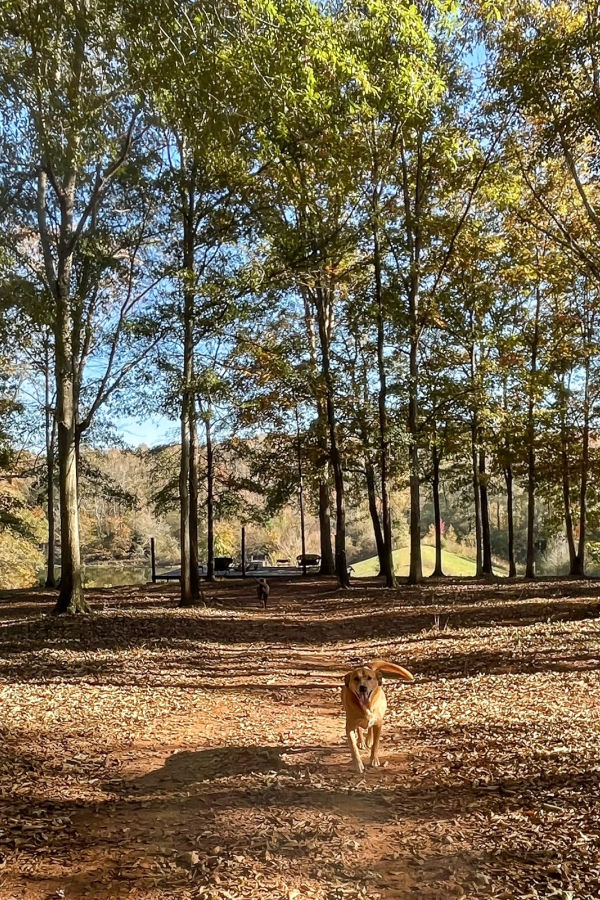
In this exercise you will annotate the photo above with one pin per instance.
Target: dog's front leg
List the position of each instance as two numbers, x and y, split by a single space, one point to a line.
358 763
375 747
362 739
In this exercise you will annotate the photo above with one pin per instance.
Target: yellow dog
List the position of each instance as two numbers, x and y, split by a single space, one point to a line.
365 704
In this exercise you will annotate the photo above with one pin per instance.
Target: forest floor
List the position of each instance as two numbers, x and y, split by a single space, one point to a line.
166 754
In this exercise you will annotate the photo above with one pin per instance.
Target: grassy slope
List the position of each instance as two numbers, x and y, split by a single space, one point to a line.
451 562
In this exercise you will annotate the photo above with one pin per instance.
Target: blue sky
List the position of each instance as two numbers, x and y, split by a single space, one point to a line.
152 432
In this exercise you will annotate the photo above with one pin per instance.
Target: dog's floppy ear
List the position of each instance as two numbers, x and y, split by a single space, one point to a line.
347 679
386 669
379 675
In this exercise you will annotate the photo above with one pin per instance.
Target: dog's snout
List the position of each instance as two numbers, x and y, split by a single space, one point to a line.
363 688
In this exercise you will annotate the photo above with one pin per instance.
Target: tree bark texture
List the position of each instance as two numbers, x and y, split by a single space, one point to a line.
508 478
194 560
188 473
374 512
438 570
415 572
578 569
70 598
323 317
531 460
566 483
50 445
210 500
486 541
386 558
476 494
327 566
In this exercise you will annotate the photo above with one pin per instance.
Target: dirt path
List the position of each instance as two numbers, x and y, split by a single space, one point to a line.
156 753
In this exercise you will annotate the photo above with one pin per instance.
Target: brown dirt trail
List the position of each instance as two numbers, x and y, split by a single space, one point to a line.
152 752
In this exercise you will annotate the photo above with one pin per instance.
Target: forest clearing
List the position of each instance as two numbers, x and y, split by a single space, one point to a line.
157 752
311 286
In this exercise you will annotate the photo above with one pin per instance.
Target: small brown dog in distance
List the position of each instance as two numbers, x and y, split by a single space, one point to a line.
365 705
262 591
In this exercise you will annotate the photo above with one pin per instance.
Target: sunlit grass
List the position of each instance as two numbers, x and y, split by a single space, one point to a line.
452 563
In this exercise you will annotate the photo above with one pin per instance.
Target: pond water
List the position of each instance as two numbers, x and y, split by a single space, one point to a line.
103 575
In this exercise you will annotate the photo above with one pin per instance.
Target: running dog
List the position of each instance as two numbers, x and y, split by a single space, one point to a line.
262 591
365 704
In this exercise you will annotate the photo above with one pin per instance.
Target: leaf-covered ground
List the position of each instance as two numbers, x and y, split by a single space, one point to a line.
150 752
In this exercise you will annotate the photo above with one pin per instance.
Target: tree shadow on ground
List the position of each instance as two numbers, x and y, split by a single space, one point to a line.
320 775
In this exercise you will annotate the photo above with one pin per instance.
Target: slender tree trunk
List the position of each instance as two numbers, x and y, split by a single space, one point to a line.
341 564
323 315
70 598
579 569
194 560
188 597
438 570
412 212
566 484
415 573
531 461
50 569
530 562
476 494
374 512
50 443
210 500
486 542
386 559
327 566
508 477
188 474
301 495
184 503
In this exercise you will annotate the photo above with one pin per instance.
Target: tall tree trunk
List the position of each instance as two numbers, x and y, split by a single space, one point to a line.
415 572
210 500
579 569
386 559
70 598
486 542
189 584
327 566
301 494
438 570
50 553
476 494
374 512
530 561
412 212
188 475
508 477
566 483
531 461
50 444
184 503
194 561
323 316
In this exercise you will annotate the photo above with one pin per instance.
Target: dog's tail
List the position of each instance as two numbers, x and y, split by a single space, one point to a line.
391 670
